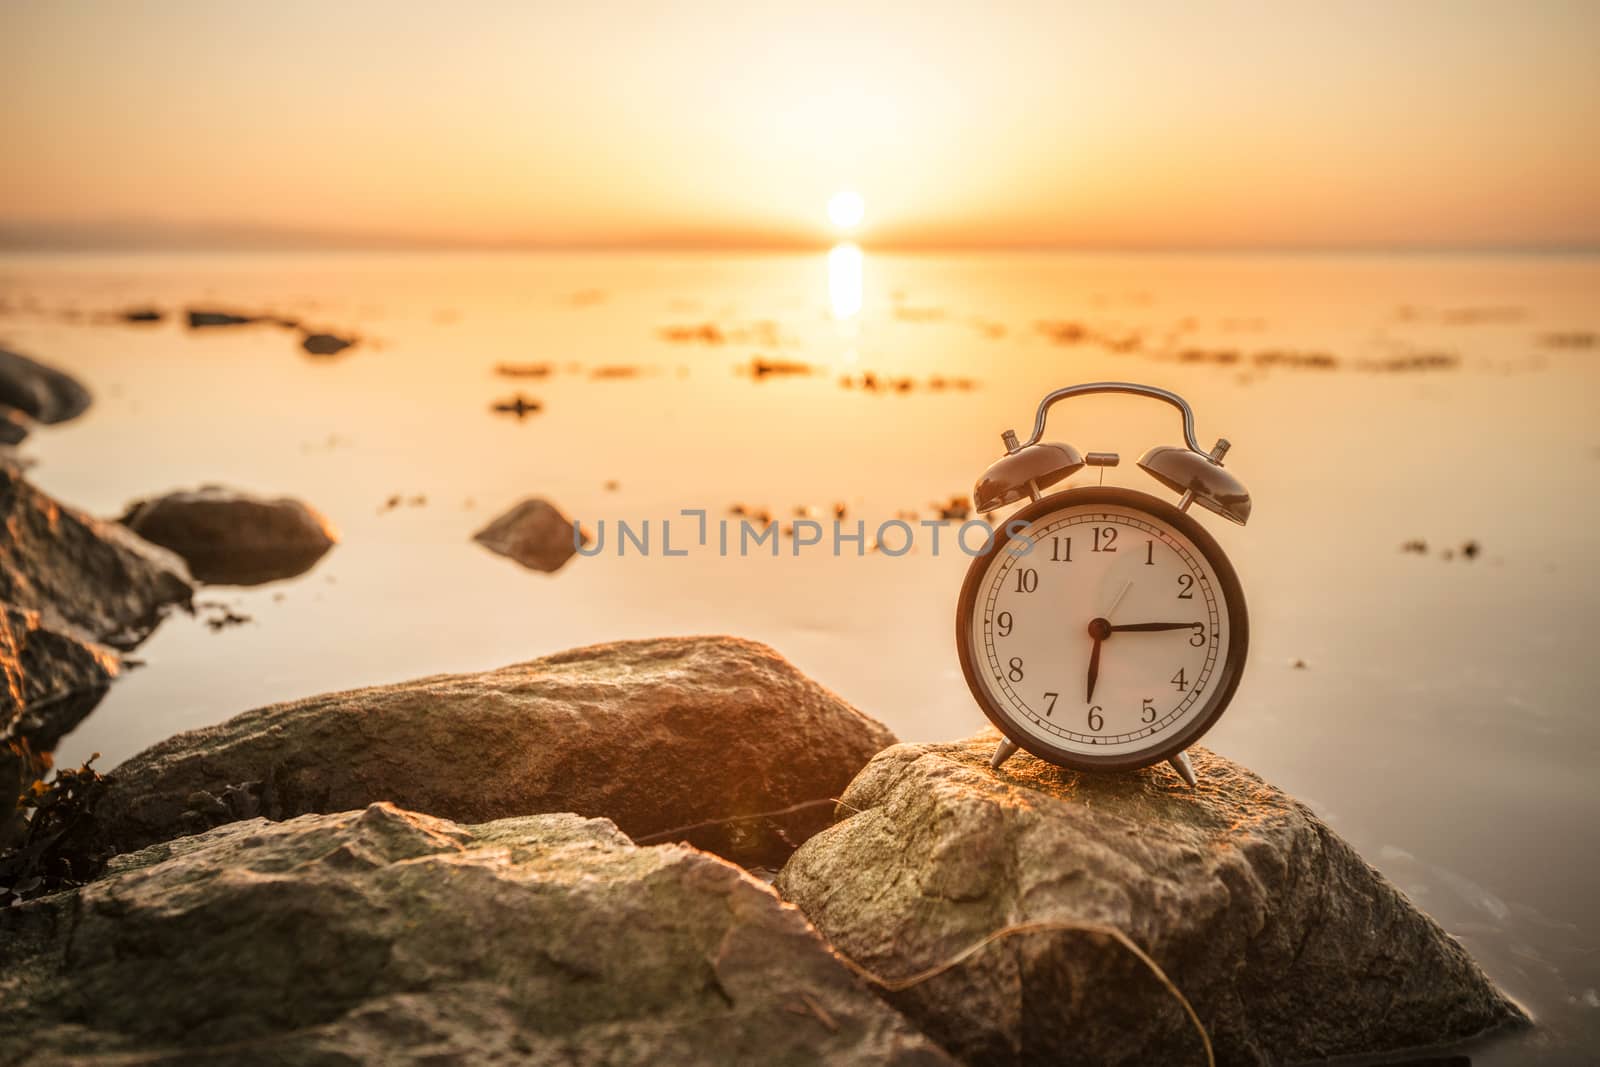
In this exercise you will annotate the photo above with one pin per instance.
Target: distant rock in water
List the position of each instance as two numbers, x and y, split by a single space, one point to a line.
202 319
711 740
14 426
1288 945
143 315
534 533
233 538
383 936
80 572
43 393
326 344
53 677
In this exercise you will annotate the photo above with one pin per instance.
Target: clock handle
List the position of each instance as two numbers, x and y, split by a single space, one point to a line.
1131 388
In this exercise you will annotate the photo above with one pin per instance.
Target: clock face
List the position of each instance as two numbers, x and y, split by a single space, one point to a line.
1107 630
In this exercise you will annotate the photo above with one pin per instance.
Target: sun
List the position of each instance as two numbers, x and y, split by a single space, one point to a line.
846 209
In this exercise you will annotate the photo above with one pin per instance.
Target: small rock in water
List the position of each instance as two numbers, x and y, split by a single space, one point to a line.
142 315
957 507
1471 549
522 370
1298 665
40 392
534 533
326 344
521 406
1417 546
200 319
233 538
763 368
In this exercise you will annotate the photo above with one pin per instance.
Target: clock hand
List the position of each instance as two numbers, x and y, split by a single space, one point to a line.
1152 627
1112 610
1099 630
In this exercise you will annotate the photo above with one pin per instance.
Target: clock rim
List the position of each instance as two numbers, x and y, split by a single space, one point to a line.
1238 626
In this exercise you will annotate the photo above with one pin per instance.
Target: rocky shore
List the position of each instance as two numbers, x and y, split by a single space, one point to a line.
679 850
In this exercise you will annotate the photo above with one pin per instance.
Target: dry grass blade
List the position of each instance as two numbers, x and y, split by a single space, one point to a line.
896 985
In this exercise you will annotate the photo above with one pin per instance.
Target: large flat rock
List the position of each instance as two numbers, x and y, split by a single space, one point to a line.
382 936
1289 946
692 738
77 571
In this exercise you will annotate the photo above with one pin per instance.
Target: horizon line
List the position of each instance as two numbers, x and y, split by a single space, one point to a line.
142 236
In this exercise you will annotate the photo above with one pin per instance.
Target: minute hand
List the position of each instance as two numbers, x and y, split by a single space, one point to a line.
1152 627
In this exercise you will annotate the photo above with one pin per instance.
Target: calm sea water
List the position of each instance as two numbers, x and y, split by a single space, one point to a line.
1444 719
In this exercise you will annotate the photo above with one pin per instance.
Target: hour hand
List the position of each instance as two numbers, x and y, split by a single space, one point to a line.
1152 627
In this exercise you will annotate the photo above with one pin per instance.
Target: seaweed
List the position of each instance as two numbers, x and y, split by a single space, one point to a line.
47 843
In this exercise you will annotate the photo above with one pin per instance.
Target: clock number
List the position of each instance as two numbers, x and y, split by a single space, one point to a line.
1186 583
1179 682
1110 542
1016 668
1061 550
1095 720
1003 620
1198 637
1027 580
1149 553
1051 697
1149 710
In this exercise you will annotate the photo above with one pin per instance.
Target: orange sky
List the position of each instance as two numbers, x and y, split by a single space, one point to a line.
1415 123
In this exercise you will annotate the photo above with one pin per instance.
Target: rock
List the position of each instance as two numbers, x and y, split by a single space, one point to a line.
1288 945
14 426
200 319
325 344
44 393
53 678
78 571
143 315
534 533
381 936
680 738
233 538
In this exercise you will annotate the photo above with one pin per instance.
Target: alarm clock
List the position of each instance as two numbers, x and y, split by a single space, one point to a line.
1103 628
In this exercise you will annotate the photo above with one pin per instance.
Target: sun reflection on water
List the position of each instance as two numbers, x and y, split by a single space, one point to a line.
845 279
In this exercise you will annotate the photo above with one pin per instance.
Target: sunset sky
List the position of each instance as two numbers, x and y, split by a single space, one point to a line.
220 122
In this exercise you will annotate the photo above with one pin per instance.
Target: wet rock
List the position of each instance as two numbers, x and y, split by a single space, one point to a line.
53 677
14 426
534 533
142 315
1287 944
232 538
690 739
199 319
40 392
78 571
382 936
326 344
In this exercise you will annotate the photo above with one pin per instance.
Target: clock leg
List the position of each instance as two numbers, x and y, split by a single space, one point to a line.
1003 751
1180 763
